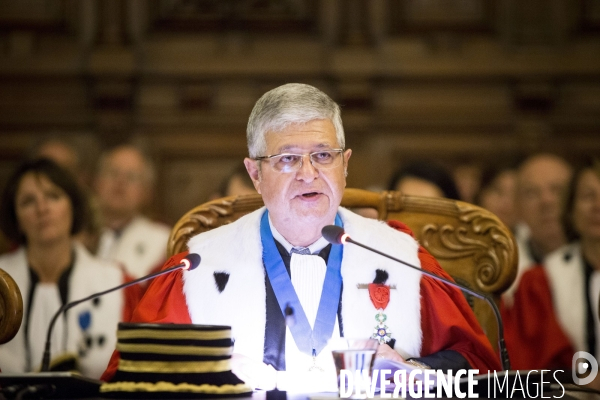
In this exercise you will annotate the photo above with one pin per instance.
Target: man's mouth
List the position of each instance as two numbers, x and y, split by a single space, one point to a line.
310 194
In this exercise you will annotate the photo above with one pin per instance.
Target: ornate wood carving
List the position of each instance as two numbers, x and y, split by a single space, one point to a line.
11 307
480 236
209 216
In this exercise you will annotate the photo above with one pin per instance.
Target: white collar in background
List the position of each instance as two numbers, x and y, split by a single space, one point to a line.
314 248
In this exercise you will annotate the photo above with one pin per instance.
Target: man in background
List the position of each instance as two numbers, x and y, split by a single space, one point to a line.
542 180
123 187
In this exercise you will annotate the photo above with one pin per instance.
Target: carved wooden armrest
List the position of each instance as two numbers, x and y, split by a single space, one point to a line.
11 307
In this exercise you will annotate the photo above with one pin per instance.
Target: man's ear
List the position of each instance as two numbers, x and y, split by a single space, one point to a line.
346 156
253 171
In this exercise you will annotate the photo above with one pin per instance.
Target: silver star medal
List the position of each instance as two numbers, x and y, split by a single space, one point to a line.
381 332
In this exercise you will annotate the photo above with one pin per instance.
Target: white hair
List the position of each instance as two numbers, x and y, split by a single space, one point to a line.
293 103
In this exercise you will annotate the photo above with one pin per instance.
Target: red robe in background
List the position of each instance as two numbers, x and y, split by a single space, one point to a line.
534 337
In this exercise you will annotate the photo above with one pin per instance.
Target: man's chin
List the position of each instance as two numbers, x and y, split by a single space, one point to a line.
317 216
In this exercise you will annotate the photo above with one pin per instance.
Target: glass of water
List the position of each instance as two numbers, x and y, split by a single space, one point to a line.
353 363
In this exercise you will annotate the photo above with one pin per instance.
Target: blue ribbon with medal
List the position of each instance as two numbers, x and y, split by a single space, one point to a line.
309 341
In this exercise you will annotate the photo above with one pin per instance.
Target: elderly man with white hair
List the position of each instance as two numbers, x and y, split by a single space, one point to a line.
256 267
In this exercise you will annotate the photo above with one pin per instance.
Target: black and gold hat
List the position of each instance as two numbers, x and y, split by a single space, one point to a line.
174 360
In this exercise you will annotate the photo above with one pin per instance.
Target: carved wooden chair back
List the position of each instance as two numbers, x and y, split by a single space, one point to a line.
469 242
11 307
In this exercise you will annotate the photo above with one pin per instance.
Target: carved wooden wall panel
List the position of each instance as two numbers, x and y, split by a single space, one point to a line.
589 16
447 79
225 15
37 14
441 15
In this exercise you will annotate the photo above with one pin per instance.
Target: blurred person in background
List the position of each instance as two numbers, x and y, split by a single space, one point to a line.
42 208
467 175
123 188
423 178
542 181
237 183
555 310
76 154
497 193
61 152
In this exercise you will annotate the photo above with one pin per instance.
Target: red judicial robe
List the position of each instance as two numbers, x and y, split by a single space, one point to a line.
447 322
534 338
545 325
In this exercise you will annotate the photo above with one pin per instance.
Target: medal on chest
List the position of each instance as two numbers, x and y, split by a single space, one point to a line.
379 294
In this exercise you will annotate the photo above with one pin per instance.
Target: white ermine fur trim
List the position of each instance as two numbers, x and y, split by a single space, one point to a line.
236 249
565 271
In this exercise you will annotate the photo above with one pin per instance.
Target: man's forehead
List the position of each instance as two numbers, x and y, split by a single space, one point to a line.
542 171
297 146
545 165
316 134
126 158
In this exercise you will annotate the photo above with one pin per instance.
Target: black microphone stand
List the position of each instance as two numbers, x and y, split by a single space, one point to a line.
335 234
191 264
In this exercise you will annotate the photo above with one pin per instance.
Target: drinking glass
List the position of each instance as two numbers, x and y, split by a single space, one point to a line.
353 363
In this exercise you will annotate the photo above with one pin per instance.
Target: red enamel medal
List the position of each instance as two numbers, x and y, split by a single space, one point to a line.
380 297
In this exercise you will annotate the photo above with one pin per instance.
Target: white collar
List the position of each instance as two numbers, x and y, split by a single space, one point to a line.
314 248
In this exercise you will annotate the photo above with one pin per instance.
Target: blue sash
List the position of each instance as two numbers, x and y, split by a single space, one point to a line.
309 341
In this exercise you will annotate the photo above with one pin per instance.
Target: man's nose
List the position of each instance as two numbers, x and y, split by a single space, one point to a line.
120 178
307 171
549 198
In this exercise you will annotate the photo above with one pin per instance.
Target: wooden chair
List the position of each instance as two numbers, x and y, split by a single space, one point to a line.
470 243
11 307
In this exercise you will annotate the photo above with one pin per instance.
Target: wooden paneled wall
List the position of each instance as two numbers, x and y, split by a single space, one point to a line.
456 80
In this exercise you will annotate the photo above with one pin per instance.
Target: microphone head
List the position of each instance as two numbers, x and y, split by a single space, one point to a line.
192 261
289 310
334 234
290 318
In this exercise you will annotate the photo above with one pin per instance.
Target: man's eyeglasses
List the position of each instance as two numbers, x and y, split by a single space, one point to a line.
290 162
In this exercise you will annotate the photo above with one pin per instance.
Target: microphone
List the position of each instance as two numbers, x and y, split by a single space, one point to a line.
190 262
336 235
290 319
